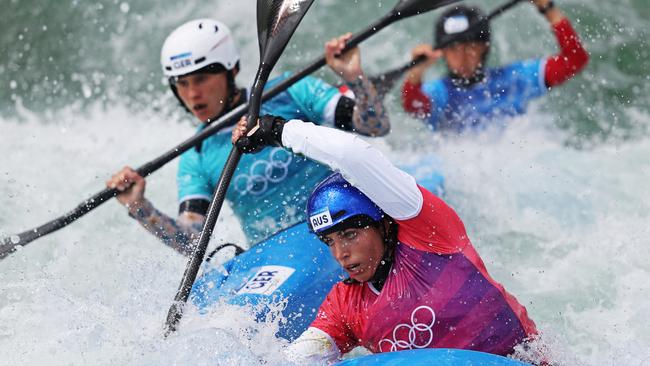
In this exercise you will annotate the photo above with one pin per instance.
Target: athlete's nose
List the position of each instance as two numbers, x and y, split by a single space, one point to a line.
340 251
194 91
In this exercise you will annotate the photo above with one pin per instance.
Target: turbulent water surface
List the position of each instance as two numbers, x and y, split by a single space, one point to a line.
558 205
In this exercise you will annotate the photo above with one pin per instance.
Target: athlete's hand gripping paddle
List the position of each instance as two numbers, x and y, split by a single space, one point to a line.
403 9
384 82
276 22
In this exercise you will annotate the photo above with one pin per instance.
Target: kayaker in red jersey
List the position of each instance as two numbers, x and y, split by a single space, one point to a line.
473 96
415 279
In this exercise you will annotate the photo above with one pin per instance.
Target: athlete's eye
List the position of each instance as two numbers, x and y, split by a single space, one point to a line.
350 234
182 83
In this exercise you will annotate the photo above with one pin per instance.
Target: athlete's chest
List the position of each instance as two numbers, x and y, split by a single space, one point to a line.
487 97
426 302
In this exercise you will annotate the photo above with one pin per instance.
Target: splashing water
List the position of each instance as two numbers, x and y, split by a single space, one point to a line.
557 205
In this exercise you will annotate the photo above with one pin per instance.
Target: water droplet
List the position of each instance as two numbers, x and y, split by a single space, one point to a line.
87 92
124 7
13 84
15 239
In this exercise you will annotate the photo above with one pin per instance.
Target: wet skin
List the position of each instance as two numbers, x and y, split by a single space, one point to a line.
358 251
463 59
204 94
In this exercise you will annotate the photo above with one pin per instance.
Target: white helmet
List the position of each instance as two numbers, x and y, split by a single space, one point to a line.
197 44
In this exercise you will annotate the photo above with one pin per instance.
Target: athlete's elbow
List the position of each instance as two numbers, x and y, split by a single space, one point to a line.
582 60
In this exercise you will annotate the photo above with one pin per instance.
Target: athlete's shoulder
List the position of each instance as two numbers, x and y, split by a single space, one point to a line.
190 156
436 228
517 68
434 85
438 91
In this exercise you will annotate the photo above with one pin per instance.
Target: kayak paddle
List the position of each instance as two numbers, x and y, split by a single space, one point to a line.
270 50
403 9
384 82
277 20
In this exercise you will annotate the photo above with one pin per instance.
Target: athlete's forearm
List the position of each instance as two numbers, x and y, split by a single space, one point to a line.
571 59
393 190
369 116
176 233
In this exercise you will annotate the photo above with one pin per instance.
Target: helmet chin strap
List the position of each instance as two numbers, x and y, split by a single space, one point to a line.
389 236
390 243
233 93
477 77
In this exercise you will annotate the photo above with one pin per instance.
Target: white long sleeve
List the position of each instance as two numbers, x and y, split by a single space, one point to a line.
393 190
313 347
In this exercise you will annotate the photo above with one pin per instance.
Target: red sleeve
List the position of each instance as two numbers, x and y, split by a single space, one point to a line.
571 59
332 317
414 100
437 228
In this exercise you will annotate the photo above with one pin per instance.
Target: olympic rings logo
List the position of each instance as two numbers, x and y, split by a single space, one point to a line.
263 172
410 336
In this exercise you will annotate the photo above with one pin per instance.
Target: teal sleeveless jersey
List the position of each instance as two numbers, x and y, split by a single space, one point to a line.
269 189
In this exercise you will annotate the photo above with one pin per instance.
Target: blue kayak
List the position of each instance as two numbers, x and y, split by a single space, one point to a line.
428 357
292 266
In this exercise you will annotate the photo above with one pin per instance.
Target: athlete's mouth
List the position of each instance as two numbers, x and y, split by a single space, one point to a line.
353 268
199 107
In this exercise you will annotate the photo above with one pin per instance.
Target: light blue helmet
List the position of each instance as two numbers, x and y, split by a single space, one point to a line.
335 204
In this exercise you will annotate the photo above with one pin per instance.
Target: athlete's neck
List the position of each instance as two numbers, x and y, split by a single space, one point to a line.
383 269
477 77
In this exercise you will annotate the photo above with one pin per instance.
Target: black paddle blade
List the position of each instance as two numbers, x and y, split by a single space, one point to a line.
276 22
385 82
407 8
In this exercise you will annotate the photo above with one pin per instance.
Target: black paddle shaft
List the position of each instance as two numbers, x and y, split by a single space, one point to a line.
405 8
276 23
385 81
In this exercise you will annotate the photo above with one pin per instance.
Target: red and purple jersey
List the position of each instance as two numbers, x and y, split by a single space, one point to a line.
438 294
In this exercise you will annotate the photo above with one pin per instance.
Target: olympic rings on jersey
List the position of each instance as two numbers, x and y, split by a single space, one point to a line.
262 172
420 335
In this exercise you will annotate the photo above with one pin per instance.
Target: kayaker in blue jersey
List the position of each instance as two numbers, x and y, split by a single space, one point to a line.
472 94
268 192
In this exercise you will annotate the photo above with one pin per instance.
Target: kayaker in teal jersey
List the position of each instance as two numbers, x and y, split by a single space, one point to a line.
268 191
473 96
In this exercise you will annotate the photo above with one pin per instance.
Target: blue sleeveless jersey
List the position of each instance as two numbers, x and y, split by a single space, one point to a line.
269 189
506 91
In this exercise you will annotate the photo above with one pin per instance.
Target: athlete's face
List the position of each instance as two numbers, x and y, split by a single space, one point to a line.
204 94
463 59
358 251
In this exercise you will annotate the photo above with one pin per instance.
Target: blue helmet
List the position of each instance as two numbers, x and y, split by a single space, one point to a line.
336 204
